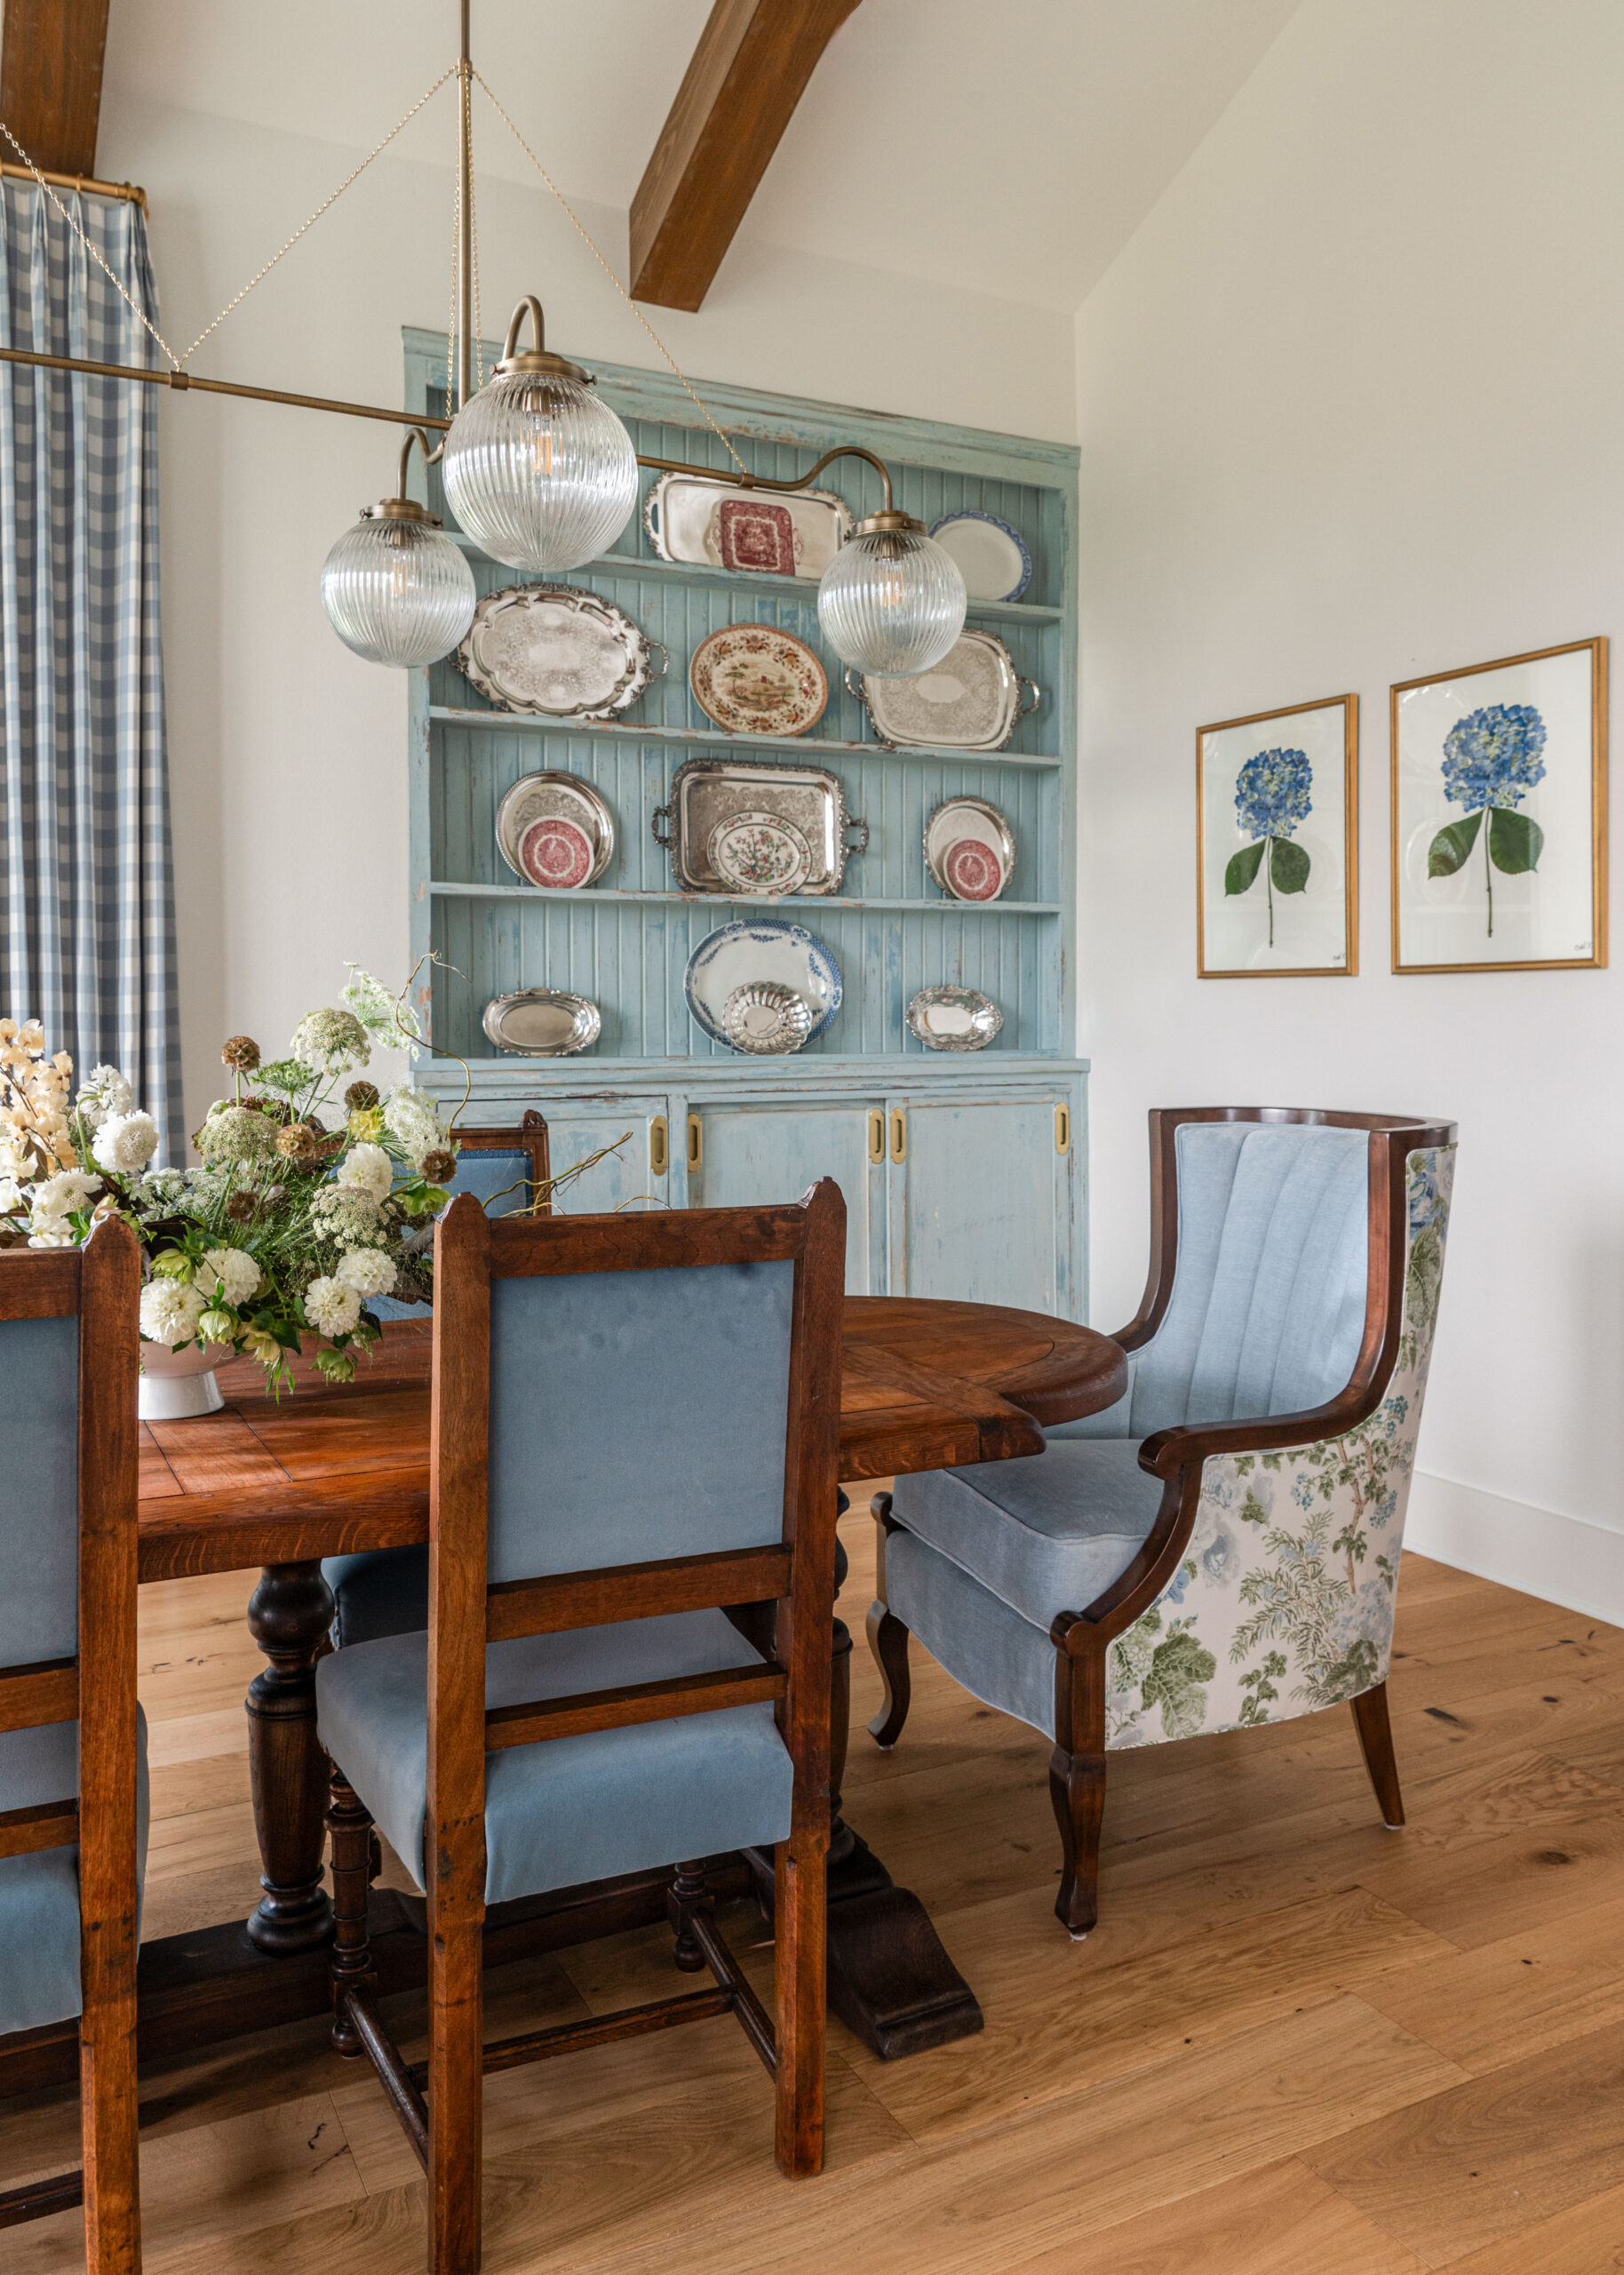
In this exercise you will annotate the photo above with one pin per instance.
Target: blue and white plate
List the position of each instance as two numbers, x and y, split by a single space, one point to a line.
761 948
991 556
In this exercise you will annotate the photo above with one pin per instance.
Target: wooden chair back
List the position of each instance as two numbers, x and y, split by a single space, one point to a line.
82 1595
527 1143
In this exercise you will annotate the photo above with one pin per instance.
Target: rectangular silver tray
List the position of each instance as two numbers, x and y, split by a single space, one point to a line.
706 791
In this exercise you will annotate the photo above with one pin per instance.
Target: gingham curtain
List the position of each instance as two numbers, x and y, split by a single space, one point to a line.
87 919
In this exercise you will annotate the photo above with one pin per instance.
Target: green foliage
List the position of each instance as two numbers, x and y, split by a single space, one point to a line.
1449 849
1244 867
1516 840
1288 865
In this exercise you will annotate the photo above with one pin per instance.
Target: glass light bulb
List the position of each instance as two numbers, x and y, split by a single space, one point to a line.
398 592
539 471
892 602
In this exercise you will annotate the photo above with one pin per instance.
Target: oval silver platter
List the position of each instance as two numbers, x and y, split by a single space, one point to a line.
547 797
954 1018
542 1023
558 652
971 700
719 525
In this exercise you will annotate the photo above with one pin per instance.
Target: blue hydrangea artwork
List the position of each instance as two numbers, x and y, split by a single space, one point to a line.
1492 759
1272 794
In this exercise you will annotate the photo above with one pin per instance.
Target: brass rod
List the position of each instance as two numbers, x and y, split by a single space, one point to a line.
127 190
464 211
792 481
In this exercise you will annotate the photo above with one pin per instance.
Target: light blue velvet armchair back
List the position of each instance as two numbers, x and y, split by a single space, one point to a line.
485 1172
637 1415
39 1492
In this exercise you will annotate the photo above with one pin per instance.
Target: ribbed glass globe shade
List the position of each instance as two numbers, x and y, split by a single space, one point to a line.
892 602
539 471
398 592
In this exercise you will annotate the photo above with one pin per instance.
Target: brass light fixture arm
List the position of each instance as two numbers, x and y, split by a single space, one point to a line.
791 481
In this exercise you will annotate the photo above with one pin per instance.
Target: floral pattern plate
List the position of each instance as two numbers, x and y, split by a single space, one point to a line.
570 810
969 848
761 948
754 680
542 1023
559 650
722 526
991 556
972 699
760 852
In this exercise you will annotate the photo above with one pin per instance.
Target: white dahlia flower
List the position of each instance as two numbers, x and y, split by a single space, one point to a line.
170 1312
367 1271
238 1274
367 1168
331 1307
126 1142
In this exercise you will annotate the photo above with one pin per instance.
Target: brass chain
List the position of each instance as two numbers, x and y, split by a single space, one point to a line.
613 280
78 231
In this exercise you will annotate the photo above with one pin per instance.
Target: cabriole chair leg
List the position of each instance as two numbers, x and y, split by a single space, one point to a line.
1370 1717
1076 1788
353 1847
888 1638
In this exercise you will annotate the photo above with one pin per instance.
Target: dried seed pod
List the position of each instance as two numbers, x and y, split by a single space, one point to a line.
440 1167
242 1052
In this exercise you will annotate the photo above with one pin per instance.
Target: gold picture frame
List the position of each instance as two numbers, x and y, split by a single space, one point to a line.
1219 952
1431 852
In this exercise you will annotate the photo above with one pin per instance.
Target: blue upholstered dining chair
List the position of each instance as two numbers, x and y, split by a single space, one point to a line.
73 1774
636 1425
1220 1548
385 1591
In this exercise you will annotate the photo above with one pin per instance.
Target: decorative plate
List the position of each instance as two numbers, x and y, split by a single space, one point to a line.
794 534
765 1019
754 680
557 649
954 1018
971 700
538 823
969 848
707 792
759 852
542 1023
991 556
761 948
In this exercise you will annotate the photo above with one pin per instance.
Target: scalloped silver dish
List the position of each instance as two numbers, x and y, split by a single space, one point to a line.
542 1023
954 1018
766 1020
558 652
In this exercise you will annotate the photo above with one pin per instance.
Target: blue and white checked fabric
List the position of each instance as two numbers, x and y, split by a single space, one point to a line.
87 894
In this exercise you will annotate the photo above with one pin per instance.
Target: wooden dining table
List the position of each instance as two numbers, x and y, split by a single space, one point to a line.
330 1468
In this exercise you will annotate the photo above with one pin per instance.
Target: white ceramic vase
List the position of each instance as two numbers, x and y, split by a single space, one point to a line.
176 1384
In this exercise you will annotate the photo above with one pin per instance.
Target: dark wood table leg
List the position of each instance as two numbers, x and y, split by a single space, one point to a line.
890 1981
289 1615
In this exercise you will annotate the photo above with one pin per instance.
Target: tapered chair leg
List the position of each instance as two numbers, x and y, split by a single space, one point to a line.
108 2115
799 1967
887 1640
353 1846
1370 1717
456 2085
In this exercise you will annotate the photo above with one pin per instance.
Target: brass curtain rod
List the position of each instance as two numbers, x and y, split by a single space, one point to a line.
126 190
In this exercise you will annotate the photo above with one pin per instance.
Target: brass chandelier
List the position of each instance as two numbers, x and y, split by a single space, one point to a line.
542 474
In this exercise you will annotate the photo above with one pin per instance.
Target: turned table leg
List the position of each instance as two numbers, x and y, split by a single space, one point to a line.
289 1615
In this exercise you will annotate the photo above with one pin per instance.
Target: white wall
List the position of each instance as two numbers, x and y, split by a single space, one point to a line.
1352 404
288 756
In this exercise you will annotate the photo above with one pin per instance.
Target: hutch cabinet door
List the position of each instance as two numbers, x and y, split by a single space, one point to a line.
641 1168
980 1202
755 1154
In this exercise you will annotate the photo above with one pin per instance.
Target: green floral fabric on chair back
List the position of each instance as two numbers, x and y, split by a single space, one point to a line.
1283 1601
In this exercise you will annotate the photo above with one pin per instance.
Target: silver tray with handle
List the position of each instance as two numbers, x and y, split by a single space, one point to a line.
707 792
972 699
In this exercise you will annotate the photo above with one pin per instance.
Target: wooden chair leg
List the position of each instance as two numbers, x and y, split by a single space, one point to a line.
687 1894
354 1844
108 2120
800 1966
1076 1786
888 1639
456 2085
1370 1718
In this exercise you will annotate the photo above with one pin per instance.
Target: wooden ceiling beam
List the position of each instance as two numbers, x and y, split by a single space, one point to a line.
51 54
739 92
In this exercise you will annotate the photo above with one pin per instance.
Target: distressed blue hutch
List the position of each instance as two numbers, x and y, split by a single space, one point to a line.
964 1175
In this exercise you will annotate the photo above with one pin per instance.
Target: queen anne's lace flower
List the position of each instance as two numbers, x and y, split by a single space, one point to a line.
331 1041
331 1307
236 1272
126 1142
384 1015
367 1271
232 1133
345 1213
413 1123
1272 793
367 1168
170 1312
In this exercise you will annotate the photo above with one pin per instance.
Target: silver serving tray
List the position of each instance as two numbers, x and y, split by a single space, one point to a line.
974 818
972 699
971 1022
707 791
558 652
537 797
542 1023
792 533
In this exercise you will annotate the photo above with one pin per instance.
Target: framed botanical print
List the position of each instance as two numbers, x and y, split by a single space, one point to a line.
1277 837
1500 814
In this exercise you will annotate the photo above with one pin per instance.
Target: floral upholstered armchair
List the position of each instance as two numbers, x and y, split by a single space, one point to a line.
1220 1548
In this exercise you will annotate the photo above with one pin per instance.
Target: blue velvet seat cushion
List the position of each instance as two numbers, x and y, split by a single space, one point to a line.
39 1894
1001 1658
380 1592
1048 1533
573 1809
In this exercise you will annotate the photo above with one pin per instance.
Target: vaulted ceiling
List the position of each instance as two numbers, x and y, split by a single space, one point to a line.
1011 147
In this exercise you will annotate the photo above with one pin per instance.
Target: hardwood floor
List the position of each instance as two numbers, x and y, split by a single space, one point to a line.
1296 2041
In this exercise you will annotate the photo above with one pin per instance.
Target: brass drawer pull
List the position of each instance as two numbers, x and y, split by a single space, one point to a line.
899 1135
1062 1130
659 1147
695 1141
876 1135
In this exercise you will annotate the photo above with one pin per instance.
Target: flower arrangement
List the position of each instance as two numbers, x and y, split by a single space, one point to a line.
1272 794
1492 759
304 1209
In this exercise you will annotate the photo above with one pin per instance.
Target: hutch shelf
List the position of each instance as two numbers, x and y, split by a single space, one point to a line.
963 1174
